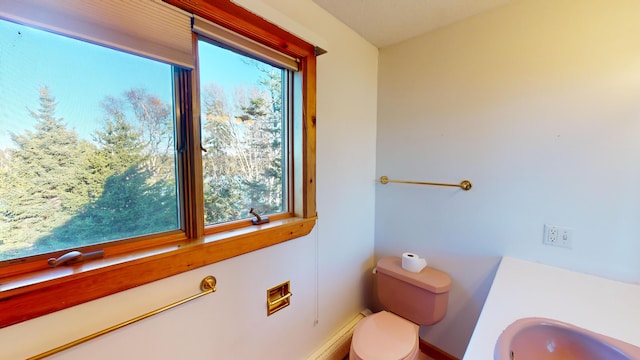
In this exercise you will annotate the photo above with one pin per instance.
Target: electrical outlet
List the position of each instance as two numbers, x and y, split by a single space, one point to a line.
558 236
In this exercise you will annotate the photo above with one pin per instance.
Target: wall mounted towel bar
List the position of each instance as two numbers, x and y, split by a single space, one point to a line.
207 286
464 185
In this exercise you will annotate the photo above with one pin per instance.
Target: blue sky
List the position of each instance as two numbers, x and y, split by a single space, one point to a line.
31 58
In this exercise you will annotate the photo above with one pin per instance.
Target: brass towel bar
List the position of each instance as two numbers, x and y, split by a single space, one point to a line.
464 185
207 285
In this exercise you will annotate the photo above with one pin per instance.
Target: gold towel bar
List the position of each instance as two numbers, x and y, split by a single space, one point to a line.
464 185
207 285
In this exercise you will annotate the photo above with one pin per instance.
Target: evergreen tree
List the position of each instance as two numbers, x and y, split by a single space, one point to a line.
43 183
264 188
244 159
130 202
119 144
154 118
221 179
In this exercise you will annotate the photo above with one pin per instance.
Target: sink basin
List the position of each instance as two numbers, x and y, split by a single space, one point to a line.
546 339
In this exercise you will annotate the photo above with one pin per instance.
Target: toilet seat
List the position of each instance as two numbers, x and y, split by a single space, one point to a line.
384 336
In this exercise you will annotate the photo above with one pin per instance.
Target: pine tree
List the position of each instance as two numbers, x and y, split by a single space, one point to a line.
221 178
155 126
43 185
131 201
265 188
244 158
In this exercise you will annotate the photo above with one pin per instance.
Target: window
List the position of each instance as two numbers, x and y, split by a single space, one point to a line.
83 158
243 128
122 143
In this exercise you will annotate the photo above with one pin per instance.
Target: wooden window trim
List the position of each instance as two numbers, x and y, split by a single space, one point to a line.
29 290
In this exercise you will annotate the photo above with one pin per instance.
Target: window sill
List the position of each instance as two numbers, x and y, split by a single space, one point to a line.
26 296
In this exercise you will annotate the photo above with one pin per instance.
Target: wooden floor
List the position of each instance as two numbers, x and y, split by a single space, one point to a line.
434 353
422 356
428 352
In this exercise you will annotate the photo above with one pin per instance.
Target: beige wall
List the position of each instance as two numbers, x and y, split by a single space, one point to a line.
328 269
538 104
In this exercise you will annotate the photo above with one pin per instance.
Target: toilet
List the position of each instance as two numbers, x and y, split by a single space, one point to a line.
410 300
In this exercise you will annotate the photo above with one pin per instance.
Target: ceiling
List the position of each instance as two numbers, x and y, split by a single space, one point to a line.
387 22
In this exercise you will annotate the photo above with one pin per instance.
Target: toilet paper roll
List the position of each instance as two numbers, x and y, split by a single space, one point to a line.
412 262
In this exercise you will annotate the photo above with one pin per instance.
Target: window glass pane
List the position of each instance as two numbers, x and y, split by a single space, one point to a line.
243 112
86 144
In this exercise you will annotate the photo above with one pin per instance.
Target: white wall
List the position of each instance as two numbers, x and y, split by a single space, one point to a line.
538 104
328 269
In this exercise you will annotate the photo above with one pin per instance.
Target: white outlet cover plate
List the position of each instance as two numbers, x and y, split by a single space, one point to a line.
555 235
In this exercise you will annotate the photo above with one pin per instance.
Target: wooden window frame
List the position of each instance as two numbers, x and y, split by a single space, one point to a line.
31 289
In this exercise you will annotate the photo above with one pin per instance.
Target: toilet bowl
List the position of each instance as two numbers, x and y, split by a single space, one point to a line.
384 336
412 299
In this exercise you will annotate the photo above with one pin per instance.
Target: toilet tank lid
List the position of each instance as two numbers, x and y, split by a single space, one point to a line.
429 278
